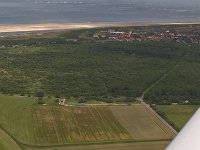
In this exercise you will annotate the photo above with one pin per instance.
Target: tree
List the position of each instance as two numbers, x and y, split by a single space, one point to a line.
39 94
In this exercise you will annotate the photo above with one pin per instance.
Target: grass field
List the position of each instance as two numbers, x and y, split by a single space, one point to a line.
7 143
178 114
46 125
141 123
35 125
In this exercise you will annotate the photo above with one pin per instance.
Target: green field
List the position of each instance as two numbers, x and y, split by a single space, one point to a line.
178 114
7 143
32 124
141 123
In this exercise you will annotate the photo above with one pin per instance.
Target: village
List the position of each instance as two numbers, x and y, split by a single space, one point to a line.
179 36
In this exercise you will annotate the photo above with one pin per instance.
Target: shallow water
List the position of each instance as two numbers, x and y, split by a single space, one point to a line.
72 11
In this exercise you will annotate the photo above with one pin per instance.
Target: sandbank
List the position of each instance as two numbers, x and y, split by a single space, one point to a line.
9 28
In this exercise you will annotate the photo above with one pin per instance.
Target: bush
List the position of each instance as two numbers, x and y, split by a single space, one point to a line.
39 94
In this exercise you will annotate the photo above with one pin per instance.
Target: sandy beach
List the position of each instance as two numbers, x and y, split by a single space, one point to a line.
53 26
9 28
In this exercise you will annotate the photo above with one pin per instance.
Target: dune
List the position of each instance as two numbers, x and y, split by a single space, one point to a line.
8 28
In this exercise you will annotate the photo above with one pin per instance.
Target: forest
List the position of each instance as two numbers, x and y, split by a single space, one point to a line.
72 64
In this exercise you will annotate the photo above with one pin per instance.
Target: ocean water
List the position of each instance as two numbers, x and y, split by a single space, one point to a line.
73 11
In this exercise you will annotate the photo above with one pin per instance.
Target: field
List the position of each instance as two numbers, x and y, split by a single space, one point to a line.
160 145
50 125
83 69
32 124
178 114
141 123
7 143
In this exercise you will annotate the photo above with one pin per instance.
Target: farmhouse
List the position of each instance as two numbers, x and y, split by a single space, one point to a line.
62 102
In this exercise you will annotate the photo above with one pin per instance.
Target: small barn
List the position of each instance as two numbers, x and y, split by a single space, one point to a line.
62 102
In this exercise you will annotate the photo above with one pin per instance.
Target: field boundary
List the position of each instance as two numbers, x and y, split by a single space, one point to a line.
163 121
141 98
12 138
94 143
23 145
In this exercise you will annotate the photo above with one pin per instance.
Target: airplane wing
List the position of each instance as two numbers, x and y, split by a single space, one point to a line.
189 137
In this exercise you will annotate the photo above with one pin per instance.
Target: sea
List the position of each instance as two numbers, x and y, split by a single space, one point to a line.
81 11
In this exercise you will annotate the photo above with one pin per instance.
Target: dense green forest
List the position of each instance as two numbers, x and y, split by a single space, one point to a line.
182 83
61 67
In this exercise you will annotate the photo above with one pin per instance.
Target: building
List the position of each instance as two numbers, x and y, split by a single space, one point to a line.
62 102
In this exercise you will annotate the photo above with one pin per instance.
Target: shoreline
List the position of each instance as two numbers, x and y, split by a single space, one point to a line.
14 28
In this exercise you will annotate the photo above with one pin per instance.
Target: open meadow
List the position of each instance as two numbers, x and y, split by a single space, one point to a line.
6 142
32 124
177 114
141 123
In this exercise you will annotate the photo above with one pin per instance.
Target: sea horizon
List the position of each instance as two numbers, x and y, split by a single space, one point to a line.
83 11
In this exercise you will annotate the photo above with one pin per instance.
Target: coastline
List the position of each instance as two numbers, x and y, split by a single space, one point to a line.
13 28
